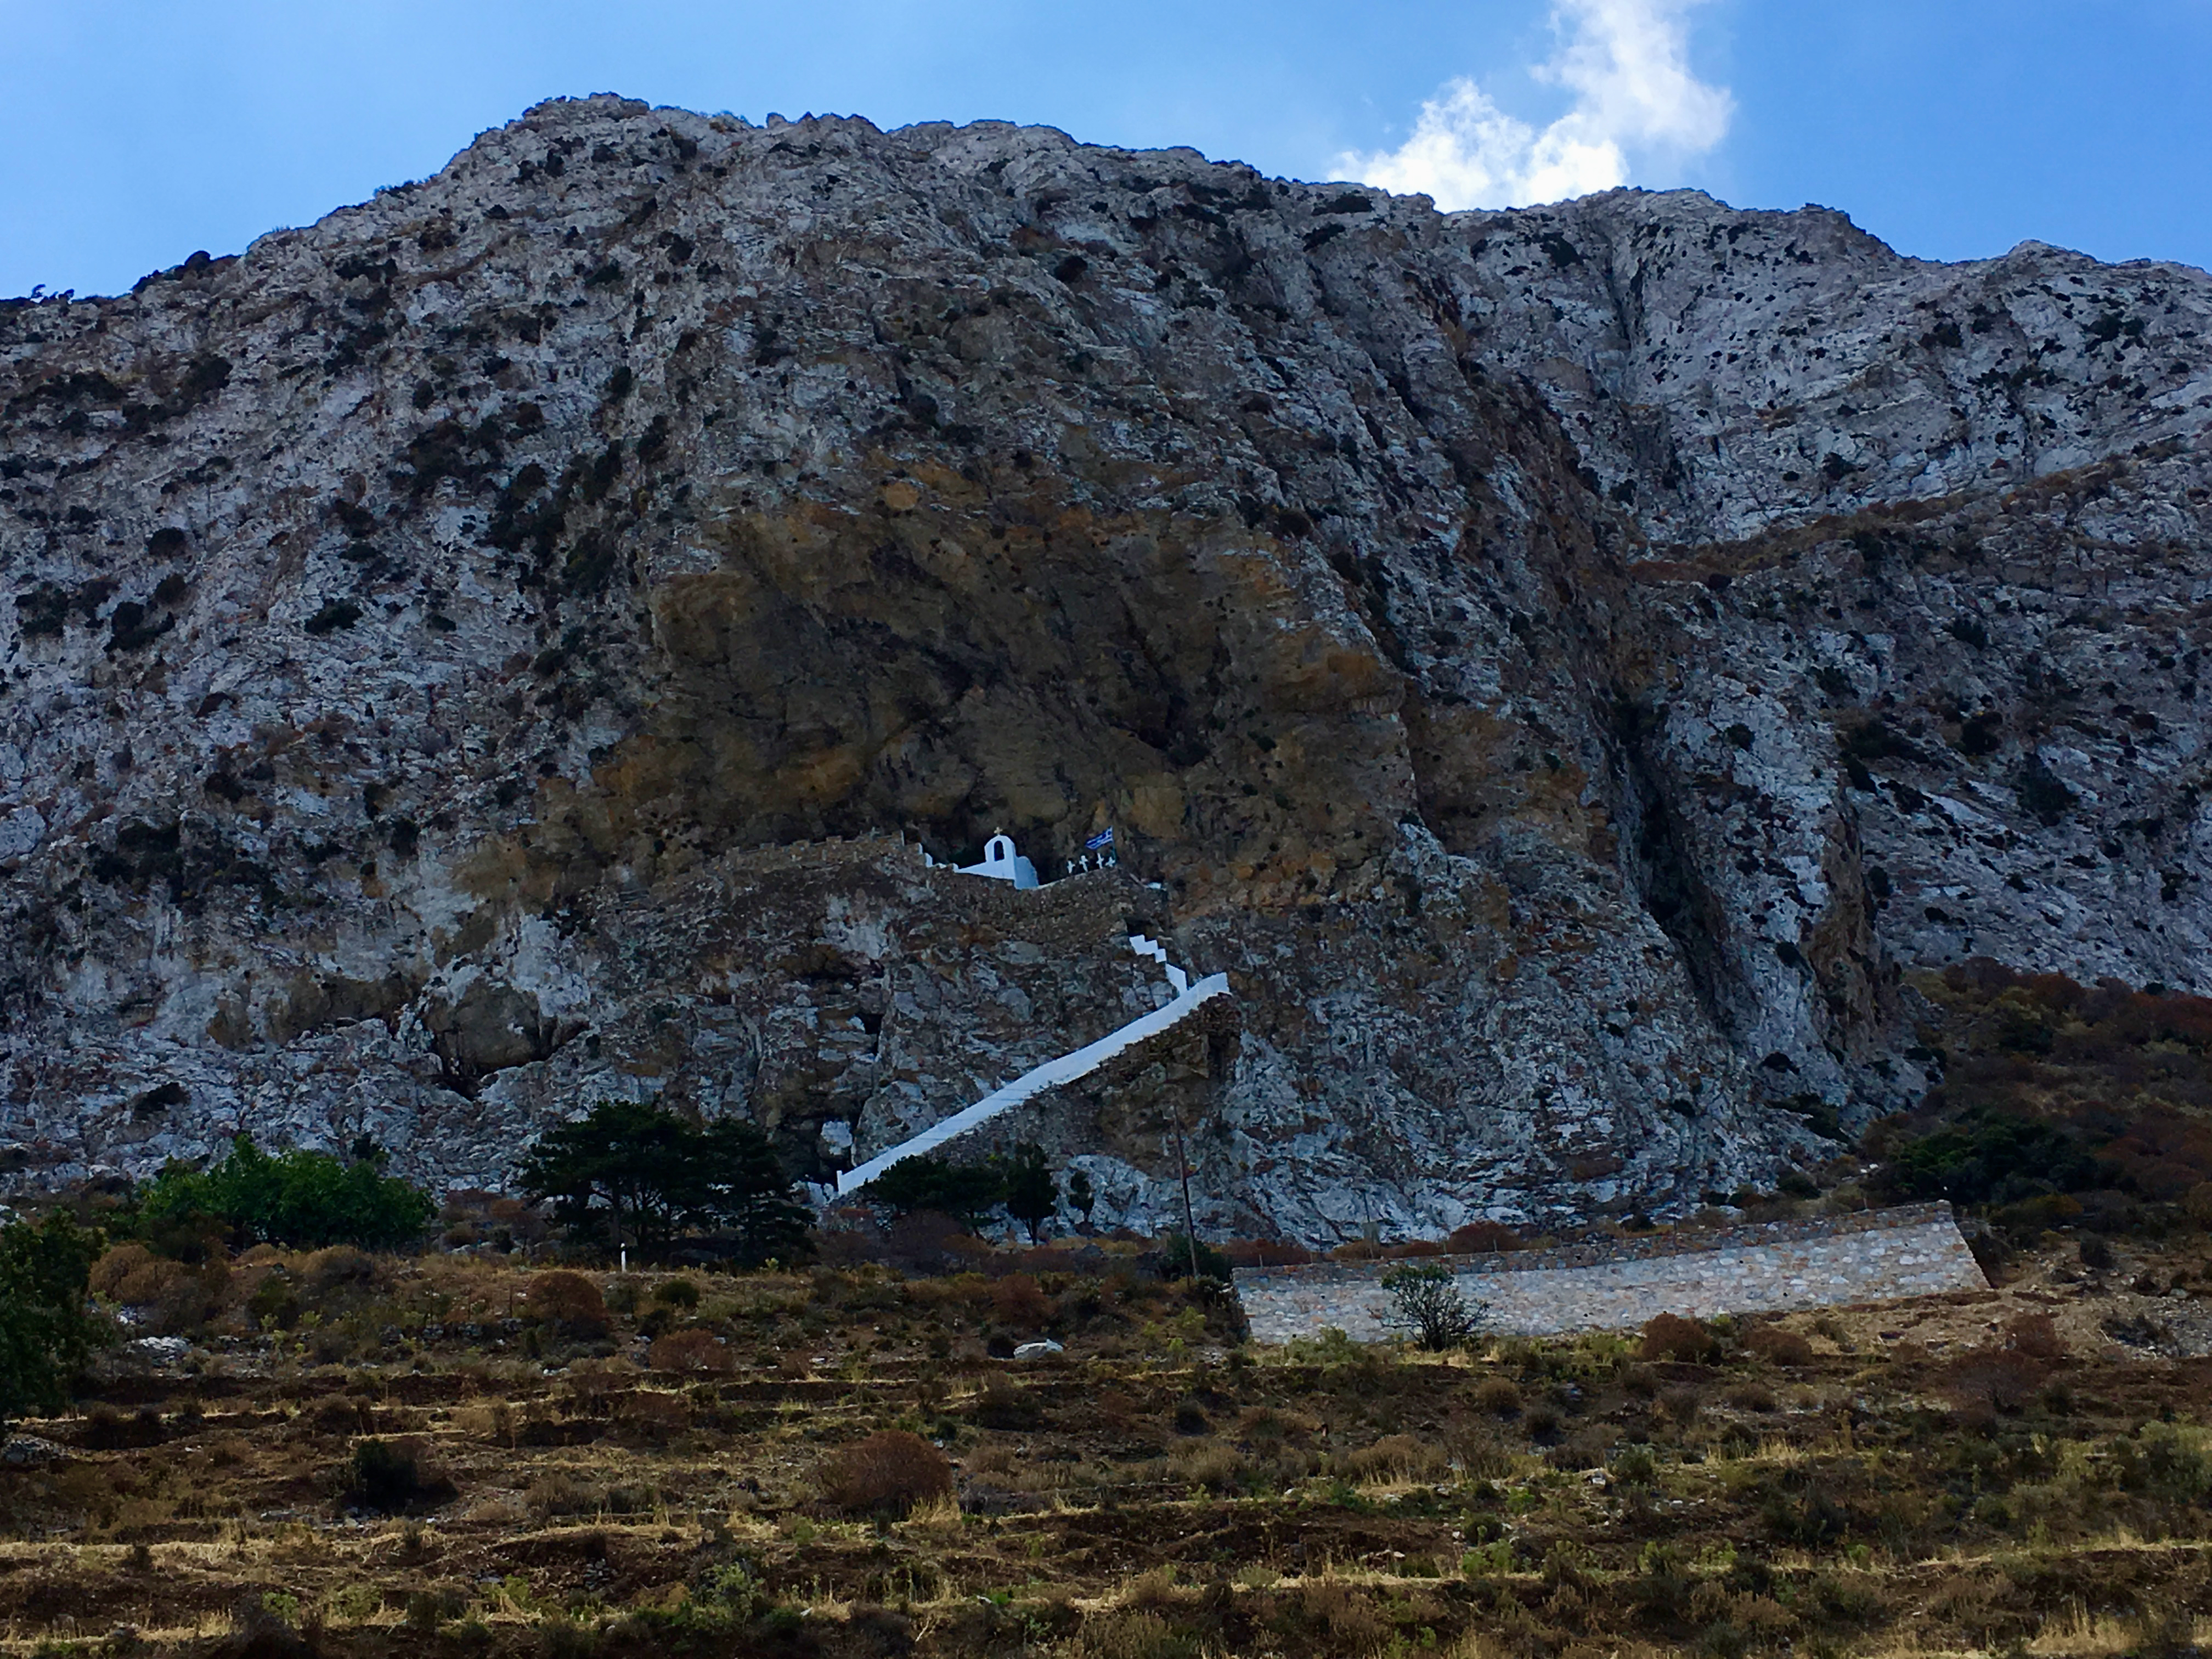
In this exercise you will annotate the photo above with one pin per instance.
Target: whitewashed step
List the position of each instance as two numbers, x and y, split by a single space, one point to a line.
1050 1075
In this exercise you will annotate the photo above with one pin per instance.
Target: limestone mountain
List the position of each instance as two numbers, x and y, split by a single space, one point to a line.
504 646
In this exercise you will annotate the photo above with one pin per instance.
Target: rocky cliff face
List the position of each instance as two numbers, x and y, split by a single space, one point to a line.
502 646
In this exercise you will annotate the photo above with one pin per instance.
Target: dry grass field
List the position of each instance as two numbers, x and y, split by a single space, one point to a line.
341 1454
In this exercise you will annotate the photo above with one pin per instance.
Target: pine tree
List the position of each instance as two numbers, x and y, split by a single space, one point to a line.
966 1192
1032 1195
623 1164
738 1183
640 1175
1081 1196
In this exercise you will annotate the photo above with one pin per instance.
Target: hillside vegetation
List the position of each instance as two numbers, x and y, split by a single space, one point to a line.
341 1453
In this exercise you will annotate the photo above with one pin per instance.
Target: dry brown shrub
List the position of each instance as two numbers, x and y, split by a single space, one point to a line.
341 1264
972 1251
1984 1381
1157 1590
1003 1403
1777 1346
1341 1615
227 1452
1207 1464
1681 1405
134 1276
1397 1457
1017 1301
1670 1336
559 1493
2036 1336
494 1422
1481 1237
188 1301
923 1240
951 1289
1266 1253
1275 1424
1766 1622
569 1300
692 1352
1480 1451
1130 1633
116 1264
889 1472
593 1385
1585 1448
655 1413
1498 1396
345 1418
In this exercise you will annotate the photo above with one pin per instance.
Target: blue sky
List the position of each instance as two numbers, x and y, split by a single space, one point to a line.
133 133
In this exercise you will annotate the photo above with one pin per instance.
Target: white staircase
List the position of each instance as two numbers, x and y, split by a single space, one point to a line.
1053 1073
1158 952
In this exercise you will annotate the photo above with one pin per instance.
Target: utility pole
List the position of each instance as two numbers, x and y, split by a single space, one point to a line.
1183 1167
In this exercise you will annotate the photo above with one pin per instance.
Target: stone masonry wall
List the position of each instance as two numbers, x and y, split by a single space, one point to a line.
1880 1255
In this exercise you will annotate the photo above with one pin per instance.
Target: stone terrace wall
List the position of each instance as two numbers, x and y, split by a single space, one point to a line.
1879 1255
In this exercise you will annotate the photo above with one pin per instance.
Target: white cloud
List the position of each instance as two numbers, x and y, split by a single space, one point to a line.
1627 62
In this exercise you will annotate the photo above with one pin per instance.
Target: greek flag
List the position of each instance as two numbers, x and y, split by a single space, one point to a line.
1103 838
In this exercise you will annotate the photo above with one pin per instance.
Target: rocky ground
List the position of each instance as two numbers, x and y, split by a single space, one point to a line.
1569 667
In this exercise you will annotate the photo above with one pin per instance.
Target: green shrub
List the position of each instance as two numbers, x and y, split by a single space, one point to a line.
307 1200
1184 1259
1427 1304
2052 1089
1988 1157
275 1303
46 1335
1636 1466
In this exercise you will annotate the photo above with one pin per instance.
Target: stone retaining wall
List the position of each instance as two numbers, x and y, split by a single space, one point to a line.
1875 1257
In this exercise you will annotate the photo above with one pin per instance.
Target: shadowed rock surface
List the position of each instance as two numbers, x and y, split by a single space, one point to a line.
1569 667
